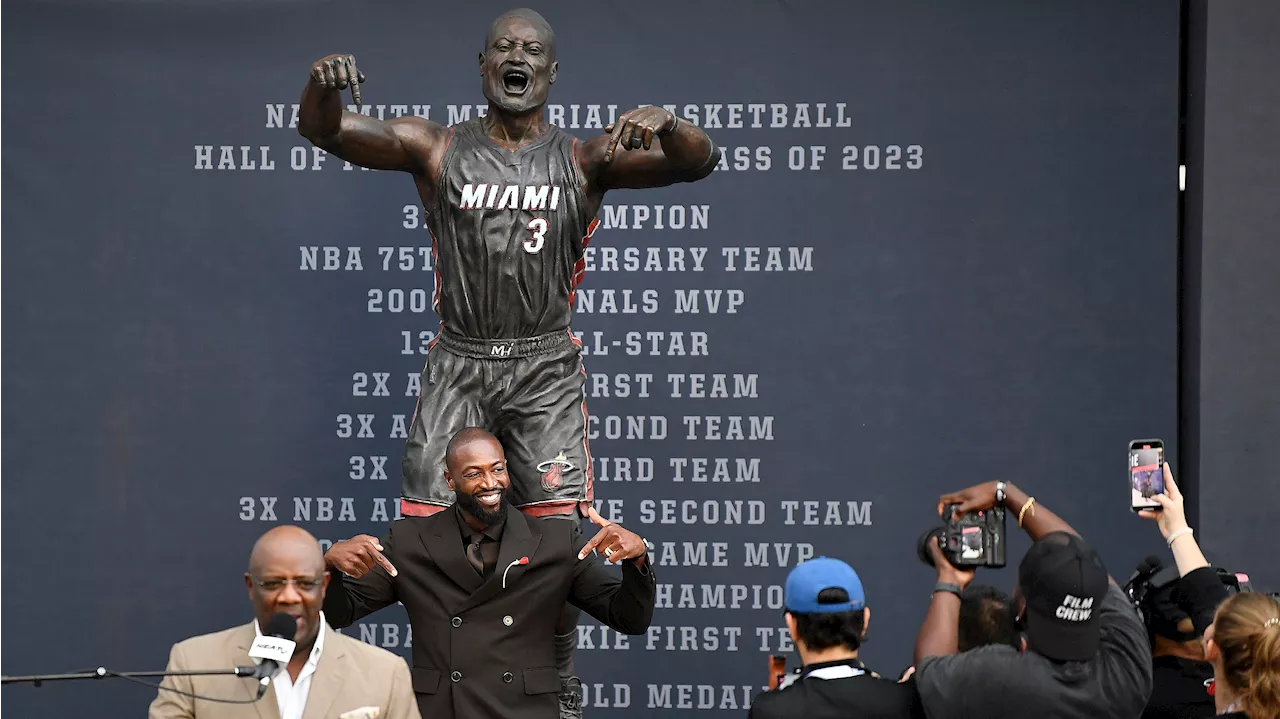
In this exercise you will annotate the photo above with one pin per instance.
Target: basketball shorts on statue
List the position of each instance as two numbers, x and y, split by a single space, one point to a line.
530 394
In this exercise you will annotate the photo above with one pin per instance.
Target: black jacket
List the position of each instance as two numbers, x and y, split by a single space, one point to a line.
1179 684
838 690
480 650
1178 689
1199 594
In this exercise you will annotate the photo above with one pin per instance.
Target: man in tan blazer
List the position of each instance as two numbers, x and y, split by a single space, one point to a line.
330 675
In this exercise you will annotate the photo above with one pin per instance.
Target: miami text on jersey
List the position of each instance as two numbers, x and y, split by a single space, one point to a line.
484 196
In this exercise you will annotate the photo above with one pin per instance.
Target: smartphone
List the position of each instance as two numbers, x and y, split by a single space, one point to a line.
1146 473
777 670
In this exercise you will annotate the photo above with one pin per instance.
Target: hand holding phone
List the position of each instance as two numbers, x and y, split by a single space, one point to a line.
777 670
1170 516
1146 474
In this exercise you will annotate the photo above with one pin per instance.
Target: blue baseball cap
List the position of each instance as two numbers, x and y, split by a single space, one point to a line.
811 577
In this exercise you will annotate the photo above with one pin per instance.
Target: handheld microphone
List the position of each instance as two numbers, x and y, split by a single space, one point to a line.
274 646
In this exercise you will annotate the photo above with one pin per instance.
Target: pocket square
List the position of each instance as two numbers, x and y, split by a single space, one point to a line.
362 713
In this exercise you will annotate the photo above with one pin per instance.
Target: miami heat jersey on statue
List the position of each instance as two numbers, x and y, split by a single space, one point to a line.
509 229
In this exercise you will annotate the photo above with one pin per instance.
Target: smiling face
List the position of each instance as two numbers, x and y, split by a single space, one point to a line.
477 474
519 63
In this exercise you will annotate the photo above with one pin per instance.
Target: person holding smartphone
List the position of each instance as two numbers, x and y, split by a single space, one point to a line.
1241 633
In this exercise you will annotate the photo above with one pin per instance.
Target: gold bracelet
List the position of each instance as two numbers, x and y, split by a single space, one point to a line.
1023 511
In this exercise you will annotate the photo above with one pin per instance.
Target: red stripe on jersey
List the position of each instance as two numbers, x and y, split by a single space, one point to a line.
589 495
580 267
435 251
435 266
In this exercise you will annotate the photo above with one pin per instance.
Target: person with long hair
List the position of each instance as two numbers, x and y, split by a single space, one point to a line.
1243 643
1241 633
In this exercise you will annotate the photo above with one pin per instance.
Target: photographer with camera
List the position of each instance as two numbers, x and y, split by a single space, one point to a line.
827 616
1240 633
1180 673
1086 654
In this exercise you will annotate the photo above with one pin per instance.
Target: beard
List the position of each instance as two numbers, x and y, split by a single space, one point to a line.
468 504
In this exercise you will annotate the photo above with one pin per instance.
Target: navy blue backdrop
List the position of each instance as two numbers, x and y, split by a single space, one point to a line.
941 250
1231 372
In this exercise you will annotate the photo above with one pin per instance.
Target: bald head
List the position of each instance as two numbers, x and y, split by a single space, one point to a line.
464 437
290 546
518 65
287 576
532 17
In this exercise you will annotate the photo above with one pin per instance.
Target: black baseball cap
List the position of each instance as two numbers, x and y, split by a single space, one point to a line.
1063 582
1164 612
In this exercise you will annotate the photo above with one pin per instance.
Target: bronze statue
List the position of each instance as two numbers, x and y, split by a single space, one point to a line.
511 203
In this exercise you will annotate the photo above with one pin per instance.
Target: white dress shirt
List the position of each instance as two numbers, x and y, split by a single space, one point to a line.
291 696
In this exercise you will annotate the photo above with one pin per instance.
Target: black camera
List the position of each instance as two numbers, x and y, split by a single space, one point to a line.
1152 591
974 540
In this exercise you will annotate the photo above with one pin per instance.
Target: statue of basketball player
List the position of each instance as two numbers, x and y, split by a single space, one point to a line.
511 203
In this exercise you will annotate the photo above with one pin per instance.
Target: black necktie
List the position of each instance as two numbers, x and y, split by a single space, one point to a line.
473 553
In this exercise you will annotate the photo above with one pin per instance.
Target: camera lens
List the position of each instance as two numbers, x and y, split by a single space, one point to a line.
922 545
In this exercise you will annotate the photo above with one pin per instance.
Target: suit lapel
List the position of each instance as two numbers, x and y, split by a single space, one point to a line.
267 707
518 540
443 541
326 682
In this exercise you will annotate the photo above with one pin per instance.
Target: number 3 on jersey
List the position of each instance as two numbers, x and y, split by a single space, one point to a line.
537 227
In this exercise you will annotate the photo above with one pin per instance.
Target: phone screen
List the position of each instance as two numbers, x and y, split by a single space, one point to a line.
1146 473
